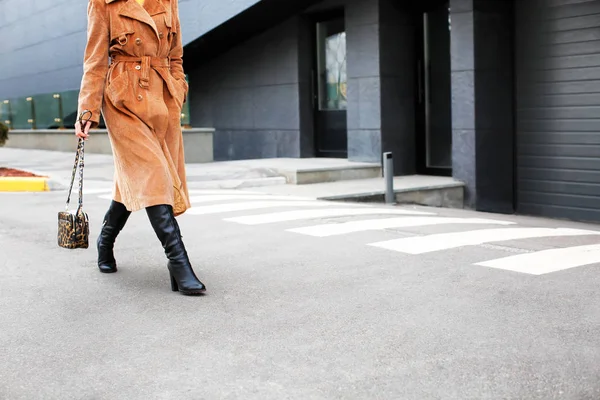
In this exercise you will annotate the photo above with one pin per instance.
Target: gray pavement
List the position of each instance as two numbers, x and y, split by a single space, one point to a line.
293 314
307 299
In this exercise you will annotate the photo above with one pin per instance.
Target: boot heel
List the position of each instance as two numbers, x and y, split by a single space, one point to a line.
174 286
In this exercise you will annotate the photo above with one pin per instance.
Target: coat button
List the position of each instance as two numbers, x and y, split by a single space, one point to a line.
139 97
138 41
160 35
138 67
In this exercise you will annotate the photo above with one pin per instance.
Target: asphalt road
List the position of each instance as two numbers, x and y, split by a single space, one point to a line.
294 312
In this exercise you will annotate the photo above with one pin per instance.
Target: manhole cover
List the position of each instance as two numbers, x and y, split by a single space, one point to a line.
11 172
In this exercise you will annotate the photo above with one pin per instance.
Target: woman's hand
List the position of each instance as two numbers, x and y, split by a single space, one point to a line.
83 132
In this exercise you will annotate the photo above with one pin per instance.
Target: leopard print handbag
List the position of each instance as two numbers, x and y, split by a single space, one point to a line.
73 227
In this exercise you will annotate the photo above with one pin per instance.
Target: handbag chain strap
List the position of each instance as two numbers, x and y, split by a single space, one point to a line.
79 161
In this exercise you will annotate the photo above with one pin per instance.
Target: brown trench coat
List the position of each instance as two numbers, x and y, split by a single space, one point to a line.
140 93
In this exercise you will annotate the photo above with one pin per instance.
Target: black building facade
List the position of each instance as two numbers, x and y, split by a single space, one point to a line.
500 94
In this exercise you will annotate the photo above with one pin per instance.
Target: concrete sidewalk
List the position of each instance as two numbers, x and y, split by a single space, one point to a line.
318 178
99 170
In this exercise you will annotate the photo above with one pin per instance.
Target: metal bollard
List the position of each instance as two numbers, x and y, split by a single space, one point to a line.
388 174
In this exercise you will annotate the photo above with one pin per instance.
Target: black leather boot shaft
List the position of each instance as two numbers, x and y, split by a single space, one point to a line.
167 230
113 223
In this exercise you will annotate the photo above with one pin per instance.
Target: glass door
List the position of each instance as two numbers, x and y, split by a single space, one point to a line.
434 134
330 87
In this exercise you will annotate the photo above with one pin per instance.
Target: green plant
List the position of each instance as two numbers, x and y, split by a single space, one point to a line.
3 134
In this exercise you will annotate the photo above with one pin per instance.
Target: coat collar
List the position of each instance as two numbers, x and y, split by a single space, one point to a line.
153 7
132 9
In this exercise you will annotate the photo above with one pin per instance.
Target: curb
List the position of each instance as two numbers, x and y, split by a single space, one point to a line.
403 196
52 182
55 184
24 184
8 184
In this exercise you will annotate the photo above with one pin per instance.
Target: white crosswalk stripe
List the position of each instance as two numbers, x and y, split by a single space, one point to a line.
98 191
386 223
297 215
222 197
255 205
547 261
445 241
200 195
220 192
222 201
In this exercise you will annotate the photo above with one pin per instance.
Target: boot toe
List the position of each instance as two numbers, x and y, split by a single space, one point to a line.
107 268
192 288
193 292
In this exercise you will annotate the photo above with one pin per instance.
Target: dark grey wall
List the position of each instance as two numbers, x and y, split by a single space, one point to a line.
558 119
251 96
200 16
482 101
41 46
258 95
397 32
42 42
380 48
364 80
494 99
305 94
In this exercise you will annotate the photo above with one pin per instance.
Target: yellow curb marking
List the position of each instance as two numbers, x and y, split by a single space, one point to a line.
23 184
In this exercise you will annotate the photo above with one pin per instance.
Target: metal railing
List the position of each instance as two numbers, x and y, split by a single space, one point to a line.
52 111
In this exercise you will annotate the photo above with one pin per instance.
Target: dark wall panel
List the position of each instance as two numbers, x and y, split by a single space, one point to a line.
558 108
380 56
482 102
251 96
278 62
397 38
39 52
200 16
364 80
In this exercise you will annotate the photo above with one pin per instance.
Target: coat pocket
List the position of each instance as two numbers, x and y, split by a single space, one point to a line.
171 29
169 23
118 89
181 86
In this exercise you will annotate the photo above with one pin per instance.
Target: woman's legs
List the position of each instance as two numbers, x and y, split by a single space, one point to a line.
167 230
114 221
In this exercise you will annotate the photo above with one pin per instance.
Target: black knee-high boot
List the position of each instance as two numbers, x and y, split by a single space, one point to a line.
114 221
183 278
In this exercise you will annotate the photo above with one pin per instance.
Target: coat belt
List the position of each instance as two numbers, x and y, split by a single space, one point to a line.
146 62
